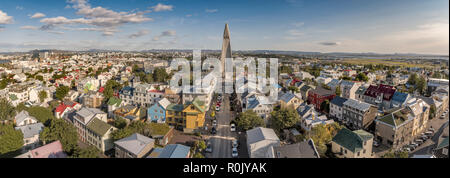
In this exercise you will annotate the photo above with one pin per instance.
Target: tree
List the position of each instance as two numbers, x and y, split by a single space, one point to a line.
42 95
134 127
249 120
284 118
3 84
436 75
412 80
325 106
362 77
61 92
7 111
42 114
10 138
198 155
293 89
391 154
338 90
421 85
62 131
89 152
120 123
322 135
432 113
39 77
160 75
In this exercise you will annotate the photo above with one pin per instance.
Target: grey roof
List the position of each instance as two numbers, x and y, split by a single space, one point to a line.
338 101
362 106
175 151
134 143
305 149
287 97
22 116
260 134
31 130
87 114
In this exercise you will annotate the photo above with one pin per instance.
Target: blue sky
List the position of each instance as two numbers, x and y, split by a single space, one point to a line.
382 26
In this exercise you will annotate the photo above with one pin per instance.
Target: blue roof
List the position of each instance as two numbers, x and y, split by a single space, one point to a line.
127 88
400 97
333 83
338 101
252 103
287 97
305 110
175 151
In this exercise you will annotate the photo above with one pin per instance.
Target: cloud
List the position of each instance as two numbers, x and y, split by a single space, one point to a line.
211 10
189 15
139 34
168 33
95 16
56 32
37 15
298 24
29 27
5 19
161 7
330 43
19 8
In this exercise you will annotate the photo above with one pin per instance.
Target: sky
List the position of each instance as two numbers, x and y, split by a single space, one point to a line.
382 26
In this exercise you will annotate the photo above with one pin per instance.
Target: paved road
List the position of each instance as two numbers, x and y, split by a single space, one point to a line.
221 142
429 145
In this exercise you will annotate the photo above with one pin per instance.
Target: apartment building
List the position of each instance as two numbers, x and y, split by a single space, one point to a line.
357 114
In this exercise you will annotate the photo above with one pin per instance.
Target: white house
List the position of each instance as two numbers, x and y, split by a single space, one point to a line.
260 142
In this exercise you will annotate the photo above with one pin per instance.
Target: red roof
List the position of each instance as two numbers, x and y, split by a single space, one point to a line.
375 91
52 150
101 89
62 107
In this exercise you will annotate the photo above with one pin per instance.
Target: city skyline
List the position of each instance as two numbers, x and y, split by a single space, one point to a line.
291 25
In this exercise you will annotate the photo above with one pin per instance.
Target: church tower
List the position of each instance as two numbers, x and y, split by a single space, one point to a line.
226 48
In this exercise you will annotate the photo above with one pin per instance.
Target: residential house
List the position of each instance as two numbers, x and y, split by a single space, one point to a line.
113 104
336 107
304 91
82 118
92 99
134 146
187 117
260 105
434 83
98 134
312 120
132 113
289 100
173 151
51 150
379 95
24 118
358 115
352 144
157 112
318 96
66 107
348 89
260 142
359 94
31 134
305 149
401 126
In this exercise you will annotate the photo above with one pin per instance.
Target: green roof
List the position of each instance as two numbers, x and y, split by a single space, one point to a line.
99 127
200 105
175 107
395 118
443 144
13 97
352 141
159 129
114 101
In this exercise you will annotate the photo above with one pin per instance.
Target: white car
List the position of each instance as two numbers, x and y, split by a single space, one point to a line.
217 108
234 153
214 123
234 144
209 148
233 128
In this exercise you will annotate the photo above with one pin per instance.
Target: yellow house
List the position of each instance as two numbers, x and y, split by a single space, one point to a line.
289 100
188 117
129 112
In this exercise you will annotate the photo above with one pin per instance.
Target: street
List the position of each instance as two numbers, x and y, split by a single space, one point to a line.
222 142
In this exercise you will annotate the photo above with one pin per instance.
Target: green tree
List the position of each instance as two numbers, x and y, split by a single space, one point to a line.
7 111
325 106
322 135
392 154
42 114
160 75
284 118
10 138
436 75
61 92
421 85
293 89
338 90
89 152
249 120
362 77
120 123
432 113
412 80
39 77
42 95
62 131
198 155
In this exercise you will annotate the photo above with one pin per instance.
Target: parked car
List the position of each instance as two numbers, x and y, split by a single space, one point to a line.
419 141
429 133
235 144
407 149
208 148
415 145
214 123
234 153
376 144
217 108
412 147
214 131
424 137
233 128
431 130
